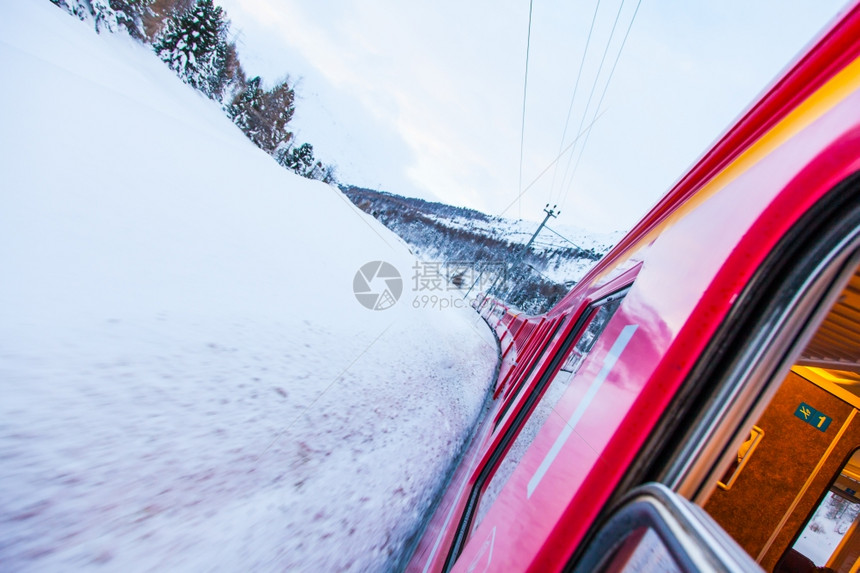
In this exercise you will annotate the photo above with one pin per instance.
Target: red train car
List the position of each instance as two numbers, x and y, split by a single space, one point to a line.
692 403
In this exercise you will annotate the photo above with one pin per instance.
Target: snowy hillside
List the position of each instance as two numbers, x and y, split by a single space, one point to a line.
188 381
568 241
536 278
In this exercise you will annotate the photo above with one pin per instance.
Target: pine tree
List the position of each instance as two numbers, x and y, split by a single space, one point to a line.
299 159
231 77
246 111
194 46
278 110
110 15
130 14
264 115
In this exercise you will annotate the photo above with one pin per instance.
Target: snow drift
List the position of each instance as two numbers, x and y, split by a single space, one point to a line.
187 379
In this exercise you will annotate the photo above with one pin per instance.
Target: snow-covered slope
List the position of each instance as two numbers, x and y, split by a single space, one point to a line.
576 249
553 237
187 381
535 278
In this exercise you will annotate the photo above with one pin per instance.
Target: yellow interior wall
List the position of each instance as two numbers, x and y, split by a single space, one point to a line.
780 467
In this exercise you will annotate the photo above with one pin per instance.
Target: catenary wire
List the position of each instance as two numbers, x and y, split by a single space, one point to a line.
593 87
573 96
525 91
551 230
600 102
551 163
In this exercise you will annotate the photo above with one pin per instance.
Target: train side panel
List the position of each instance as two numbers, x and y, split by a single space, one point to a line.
571 413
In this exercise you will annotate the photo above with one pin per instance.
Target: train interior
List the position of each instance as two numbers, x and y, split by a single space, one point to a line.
791 498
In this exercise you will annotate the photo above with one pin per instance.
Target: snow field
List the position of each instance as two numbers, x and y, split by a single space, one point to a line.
186 379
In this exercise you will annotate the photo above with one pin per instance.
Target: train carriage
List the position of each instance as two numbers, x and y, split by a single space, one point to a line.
692 403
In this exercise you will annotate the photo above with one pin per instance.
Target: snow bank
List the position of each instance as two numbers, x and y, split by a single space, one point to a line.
187 379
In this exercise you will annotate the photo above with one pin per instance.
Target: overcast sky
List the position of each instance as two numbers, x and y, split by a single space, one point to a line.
425 98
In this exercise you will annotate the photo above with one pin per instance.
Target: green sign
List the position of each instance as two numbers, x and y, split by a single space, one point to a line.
812 417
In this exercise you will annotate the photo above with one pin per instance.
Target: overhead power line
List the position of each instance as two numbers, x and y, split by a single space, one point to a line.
525 91
600 101
550 229
591 93
573 96
551 163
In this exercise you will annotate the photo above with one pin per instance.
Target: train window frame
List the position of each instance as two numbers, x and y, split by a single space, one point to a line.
767 328
689 536
757 372
818 503
588 313
539 355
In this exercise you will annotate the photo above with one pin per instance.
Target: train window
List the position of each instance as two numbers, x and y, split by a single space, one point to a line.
534 360
831 537
599 313
787 360
589 337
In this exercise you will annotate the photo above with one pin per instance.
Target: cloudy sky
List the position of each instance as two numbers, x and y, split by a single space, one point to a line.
426 98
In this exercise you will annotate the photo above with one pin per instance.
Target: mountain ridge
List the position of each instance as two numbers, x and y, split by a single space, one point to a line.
535 277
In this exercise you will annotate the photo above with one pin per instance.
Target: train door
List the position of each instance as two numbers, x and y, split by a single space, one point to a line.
786 502
788 496
780 497
772 458
760 452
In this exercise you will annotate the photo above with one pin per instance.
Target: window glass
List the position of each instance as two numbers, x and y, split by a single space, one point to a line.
534 362
831 537
642 552
557 387
589 337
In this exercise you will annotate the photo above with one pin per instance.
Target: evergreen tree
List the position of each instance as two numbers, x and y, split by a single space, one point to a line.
194 46
299 159
246 111
278 110
106 18
110 15
130 14
264 115
231 76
